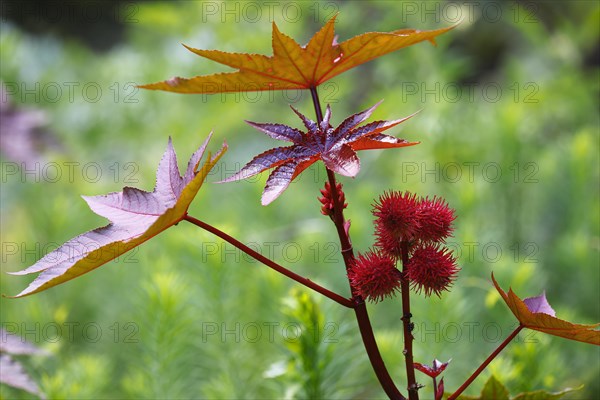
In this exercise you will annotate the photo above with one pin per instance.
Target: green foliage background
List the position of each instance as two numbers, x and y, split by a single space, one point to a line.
186 316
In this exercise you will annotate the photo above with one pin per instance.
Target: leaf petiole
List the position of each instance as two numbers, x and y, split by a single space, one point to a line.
486 362
270 263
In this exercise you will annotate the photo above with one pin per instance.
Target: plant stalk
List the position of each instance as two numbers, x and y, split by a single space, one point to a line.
316 104
360 308
271 264
486 362
413 387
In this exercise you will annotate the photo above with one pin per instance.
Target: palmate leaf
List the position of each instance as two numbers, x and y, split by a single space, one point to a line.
335 147
12 372
135 216
535 313
293 66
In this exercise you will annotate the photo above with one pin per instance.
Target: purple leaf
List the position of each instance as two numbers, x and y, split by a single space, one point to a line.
380 141
135 217
24 136
269 159
325 123
539 304
310 125
278 181
375 127
336 148
352 121
278 131
13 374
342 160
13 344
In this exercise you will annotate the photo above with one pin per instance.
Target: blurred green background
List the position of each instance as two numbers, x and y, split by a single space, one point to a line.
509 133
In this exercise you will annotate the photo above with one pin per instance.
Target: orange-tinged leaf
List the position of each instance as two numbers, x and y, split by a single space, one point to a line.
293 66
535 313
135 216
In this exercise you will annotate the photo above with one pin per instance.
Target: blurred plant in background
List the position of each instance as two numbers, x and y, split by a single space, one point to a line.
511 125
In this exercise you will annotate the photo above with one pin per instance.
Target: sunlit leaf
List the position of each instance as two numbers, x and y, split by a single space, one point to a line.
335 147
535 313
293 66
135 216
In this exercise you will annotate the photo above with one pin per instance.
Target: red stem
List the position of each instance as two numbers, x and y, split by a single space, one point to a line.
413 387
270 263
486 362
360 309
316 104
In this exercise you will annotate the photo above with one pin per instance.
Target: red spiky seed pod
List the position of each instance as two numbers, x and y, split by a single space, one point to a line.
431 269
435 218
327 198
397 220
374 276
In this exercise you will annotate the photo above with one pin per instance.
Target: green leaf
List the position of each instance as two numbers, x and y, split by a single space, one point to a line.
495 390
543 395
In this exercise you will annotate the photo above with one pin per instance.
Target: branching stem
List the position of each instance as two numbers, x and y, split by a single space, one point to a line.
360 309
413 387
270 263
